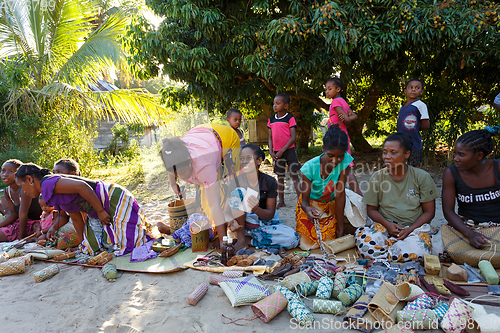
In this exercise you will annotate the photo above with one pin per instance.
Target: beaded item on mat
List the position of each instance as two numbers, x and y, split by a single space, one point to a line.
350 295
12 267
216 278
306 288
327 306
324 288
441 309
418 319
270 306
422 302
197 294
299 312
46 273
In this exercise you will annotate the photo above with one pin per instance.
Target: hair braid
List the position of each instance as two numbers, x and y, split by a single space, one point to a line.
70 165
14 162
335 138
478 141
33 170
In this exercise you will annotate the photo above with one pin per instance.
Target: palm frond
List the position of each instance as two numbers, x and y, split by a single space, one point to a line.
130 105
101 50
15 36
69 25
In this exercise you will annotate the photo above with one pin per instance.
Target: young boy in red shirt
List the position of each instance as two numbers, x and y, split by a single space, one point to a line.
282 145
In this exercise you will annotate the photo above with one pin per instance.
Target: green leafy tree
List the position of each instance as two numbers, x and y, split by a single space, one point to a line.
243 52
63 52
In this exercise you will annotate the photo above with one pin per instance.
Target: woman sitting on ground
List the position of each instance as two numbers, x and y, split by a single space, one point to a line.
122 220
401 201
475 182
23 211
261 222
207 156
323 191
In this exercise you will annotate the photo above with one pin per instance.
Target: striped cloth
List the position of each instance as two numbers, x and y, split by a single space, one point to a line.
127 228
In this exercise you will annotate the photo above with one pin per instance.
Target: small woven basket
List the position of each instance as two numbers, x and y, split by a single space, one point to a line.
179 210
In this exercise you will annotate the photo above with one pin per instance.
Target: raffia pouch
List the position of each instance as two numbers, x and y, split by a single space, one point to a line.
385 305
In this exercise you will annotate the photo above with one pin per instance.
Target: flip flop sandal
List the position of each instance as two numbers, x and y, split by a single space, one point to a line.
292 271
278 273
429 287
456 288
170 252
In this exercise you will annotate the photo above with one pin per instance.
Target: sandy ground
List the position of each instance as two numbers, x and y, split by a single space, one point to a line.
79 299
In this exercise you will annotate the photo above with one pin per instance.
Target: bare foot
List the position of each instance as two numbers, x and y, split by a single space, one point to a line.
163 228
240 244
281 204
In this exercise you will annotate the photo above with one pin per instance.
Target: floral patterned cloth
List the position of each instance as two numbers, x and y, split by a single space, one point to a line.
307 230
375 243
11 231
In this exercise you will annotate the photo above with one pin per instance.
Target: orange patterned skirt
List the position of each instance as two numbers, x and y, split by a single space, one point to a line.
306 229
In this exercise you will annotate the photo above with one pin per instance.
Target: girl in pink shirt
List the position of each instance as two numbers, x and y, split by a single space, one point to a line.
340 113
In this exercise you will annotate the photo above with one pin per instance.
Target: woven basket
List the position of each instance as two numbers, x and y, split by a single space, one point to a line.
179 210
459 249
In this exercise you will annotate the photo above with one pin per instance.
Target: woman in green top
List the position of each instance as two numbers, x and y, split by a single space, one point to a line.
401 201
323 191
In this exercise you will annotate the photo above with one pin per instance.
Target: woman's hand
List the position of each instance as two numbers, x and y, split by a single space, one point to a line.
312 214
234 226
394 229
253 203
178 191
477 240
404 233
104 217
50 233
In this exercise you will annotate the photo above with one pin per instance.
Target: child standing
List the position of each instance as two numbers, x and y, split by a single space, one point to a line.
233 117
340 113
282 136
413 117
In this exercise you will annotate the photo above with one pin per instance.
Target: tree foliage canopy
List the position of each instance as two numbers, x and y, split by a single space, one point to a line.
243 52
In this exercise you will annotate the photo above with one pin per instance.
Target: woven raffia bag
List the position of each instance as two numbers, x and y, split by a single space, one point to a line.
340 244
459 249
